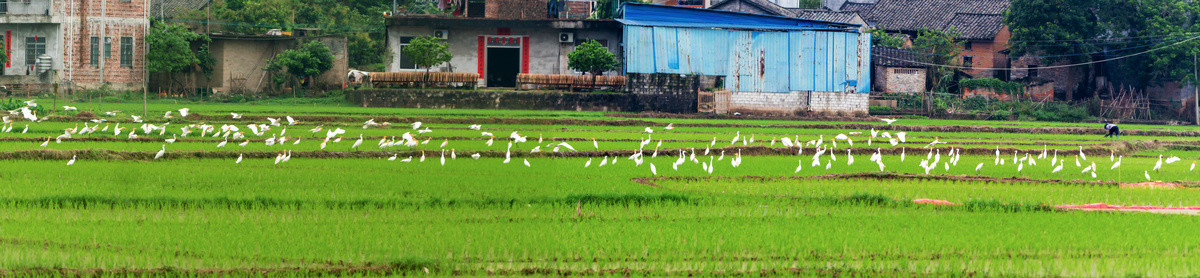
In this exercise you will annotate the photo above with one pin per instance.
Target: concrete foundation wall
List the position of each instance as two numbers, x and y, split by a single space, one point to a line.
768 103
839 102
495 100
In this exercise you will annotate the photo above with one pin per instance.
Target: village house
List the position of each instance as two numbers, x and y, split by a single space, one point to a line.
753 63
895 71
500 39
85 43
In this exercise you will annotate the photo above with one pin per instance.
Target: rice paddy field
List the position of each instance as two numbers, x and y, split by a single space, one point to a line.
586 193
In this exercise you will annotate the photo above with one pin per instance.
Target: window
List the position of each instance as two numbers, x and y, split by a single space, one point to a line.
34 47
404 62
95 51
127 51
3 6
905 71
967 45
1033 70
968 61
107 48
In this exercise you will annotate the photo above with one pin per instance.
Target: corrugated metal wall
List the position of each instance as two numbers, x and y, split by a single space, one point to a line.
754 61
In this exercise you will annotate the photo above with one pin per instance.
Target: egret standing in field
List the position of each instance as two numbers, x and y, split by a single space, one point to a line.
72 162
161 152
357 142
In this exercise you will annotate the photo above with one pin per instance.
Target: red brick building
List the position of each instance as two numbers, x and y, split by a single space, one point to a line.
88 42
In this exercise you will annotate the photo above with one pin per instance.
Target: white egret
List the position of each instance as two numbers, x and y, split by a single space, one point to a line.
72 161
888 121
588 163
161 152
357 142
977 167
183 112
239 160
1158 165
670 126
235 115
527 163
222 144
653 170
47 143
475 156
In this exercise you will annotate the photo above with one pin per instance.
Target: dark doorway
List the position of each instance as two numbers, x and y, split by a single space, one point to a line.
503 64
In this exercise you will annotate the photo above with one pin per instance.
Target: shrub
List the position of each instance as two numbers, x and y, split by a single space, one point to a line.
880 110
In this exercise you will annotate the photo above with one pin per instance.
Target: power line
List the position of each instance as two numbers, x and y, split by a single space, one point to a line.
1049 67
1046 56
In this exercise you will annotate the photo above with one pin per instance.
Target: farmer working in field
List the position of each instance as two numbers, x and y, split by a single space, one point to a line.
1112 130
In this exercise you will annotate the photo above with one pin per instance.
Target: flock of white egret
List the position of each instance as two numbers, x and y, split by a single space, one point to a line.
824 152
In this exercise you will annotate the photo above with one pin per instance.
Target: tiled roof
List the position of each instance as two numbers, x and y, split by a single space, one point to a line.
892 57
771 8
825 15
975 19
976 26
173 8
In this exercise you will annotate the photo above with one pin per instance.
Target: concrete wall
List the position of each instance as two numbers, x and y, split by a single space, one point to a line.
33 7
495 100
900 80
239 61
547 55
17 65
666 92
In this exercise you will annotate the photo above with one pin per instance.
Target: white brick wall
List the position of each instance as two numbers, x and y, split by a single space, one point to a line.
777 103
839 102
790 103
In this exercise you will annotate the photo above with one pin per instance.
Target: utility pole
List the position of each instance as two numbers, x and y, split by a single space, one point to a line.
1196 86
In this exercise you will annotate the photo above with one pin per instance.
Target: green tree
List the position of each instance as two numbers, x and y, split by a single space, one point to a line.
881 38
174 48
308 60
940 49
1053 28
1158 23
3 56
427 52
606 9
591 57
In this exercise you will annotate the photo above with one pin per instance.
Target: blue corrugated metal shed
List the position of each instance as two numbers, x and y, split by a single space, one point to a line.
755 53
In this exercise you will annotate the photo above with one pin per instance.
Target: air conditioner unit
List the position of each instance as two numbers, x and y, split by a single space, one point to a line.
566 37
441 34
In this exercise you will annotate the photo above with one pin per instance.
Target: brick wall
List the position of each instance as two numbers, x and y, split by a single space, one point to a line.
839 102
515 9
115 20
1066 80
769 103
986 54
900 80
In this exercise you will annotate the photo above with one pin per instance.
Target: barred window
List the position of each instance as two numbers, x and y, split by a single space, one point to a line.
127 51
95 51
34 47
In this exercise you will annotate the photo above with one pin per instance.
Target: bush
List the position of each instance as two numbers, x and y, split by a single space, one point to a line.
879 110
